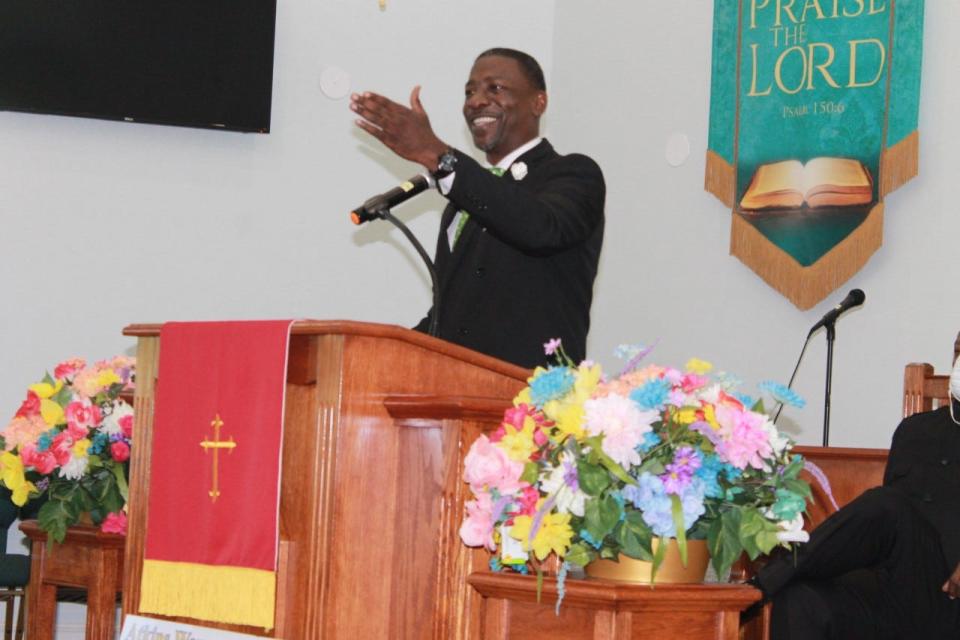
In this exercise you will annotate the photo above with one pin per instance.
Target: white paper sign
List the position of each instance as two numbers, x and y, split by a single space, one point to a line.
140 628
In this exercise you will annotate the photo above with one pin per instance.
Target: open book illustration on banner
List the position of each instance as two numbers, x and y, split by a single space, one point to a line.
821 182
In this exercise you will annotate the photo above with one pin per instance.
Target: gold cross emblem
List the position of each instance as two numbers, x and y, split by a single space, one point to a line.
216 444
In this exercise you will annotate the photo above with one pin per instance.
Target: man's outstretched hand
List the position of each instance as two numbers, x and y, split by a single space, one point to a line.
952 586
405 131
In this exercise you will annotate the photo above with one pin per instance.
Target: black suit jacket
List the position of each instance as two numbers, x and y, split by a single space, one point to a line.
523 268
924 463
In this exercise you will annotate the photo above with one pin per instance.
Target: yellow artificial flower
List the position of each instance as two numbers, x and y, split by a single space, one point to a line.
696 365
553 535
14 479
710 415
567 412
45 389
686 415
80 448
523 398
107 377
568 417
588 377
518 444
51 412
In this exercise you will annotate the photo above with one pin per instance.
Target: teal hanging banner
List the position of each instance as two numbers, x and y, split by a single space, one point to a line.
813 120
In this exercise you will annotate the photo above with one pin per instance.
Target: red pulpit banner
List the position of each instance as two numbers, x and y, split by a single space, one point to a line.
212 528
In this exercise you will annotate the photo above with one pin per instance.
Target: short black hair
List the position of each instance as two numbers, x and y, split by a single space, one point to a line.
529 65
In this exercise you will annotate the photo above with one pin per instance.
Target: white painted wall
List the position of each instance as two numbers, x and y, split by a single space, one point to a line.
103 224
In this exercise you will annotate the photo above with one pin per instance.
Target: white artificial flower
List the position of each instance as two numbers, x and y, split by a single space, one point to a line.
566 498
111 422
75 468
778 441
518 170
792 530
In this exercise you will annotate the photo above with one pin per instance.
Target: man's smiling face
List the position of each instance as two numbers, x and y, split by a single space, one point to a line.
501 106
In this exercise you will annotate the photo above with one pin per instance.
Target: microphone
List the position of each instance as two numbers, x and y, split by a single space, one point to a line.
854 299
375 206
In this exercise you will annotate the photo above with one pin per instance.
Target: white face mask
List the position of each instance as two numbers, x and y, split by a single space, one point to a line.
955 387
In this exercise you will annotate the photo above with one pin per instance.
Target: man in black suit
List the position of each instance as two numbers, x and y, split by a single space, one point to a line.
887 565
517 253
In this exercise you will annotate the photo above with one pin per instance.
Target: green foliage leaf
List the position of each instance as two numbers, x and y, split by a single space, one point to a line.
601 516
676 509
55 516
63 396
531 473
578 554
757 534
593 479
799 487
635 537
723 541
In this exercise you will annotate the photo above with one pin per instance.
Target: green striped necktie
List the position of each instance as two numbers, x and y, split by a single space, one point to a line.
464 216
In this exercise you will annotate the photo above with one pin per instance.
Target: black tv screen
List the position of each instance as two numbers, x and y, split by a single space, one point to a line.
200 63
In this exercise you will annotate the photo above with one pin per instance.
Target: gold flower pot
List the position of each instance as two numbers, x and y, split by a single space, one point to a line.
671 570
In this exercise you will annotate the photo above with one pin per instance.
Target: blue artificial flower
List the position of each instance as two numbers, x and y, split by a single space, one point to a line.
590 540
782 394
44 441
744 399
651 394
708 472
728 381
627 351
788 504
561 584
551 384
650 440
99 443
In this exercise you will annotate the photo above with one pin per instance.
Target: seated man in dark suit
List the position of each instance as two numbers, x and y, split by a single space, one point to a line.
516 255
887 565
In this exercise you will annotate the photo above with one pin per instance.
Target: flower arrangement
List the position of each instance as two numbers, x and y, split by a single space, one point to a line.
587 467
69 443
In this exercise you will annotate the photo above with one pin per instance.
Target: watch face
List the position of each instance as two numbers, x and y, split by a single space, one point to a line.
447 162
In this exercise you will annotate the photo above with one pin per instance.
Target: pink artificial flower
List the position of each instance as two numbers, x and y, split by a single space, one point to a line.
477 528
30 406
115 523
623 424
126 425
82 415
24 430
62 447
68 368
527 502
43 462
690 382
487 466
743 439
120 451
550 348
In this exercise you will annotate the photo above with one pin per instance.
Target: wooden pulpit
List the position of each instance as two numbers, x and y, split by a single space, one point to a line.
378 421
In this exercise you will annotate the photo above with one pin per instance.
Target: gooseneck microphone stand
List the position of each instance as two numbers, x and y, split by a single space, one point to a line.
831 334
383 211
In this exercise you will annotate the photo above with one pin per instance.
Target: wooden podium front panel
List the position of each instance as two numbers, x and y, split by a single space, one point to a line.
370 500
604 610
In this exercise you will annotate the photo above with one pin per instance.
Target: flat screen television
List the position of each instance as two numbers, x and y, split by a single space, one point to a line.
198 63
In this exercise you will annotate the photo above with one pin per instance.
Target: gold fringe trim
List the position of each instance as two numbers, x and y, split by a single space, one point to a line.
806 286
233 595
899 163
720 178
